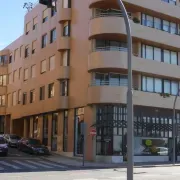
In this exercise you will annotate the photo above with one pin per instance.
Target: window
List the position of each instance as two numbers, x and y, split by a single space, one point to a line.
33 71
43 66
24 98
14 99
65 58
3 80
66 4
19 96
3 60
108 45
42 93
53 12
34 46
64 87
35 21
159 24
26 51
158 85
66 29
9 100
28 25
21 47
51 90
32 96
15 76
20 71
44 40
45 15
15 54
170 1
2 100
52 63
10 58
112 79
161 55
53 35
10 78
26 74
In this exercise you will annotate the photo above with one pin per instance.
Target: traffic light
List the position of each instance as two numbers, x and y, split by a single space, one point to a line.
48 3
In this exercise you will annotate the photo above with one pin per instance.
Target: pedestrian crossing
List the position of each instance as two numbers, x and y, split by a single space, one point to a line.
18 165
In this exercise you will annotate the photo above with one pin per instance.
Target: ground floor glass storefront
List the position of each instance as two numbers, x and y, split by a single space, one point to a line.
152 131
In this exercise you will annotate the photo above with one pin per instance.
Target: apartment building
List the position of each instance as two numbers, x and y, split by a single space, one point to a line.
70 67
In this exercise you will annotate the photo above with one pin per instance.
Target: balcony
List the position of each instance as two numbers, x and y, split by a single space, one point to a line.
64 72
117 93
156 6
102 27
63 43
112 58
64 14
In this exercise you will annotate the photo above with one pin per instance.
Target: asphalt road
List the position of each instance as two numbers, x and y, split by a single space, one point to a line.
22 166
158 173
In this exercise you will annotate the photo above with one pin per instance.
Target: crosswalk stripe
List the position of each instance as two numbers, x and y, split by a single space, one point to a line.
25 164
38 164
10 165
51 164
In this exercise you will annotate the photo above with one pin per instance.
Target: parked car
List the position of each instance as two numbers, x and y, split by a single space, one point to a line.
12 139
3 146
32 146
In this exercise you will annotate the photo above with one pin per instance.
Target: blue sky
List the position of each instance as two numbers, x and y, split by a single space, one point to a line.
12 20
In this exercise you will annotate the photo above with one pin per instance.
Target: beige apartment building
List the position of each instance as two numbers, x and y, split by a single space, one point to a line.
70 67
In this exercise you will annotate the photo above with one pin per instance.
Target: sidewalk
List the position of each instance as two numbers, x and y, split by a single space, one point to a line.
78 163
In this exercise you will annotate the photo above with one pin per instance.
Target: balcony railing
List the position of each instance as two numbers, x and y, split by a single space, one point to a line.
122 82
107 83
109 14
110 48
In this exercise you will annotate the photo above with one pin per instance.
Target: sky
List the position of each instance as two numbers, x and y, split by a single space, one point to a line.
11 20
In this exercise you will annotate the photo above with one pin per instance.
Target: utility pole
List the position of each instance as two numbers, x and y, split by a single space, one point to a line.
130 112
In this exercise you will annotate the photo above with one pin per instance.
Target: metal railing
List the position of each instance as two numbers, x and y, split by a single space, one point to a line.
109 14
110 48
111 83
108 83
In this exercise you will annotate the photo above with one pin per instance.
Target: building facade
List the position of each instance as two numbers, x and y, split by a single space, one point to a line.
70 67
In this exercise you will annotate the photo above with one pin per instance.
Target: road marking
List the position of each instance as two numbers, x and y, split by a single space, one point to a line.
10 165
25 164
38 164
51 164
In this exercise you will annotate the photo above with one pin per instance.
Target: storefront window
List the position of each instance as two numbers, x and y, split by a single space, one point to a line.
152 130
151 146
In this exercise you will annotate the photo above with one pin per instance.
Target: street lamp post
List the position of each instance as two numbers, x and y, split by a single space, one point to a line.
174 129
130 114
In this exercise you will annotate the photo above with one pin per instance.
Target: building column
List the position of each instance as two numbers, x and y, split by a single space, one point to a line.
31 127
40 128
25 134
49 130
90 118
60 132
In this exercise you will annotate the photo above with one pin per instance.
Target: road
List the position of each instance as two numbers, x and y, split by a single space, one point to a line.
21 166
157 173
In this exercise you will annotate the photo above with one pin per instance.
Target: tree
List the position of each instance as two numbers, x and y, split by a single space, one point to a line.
28 6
